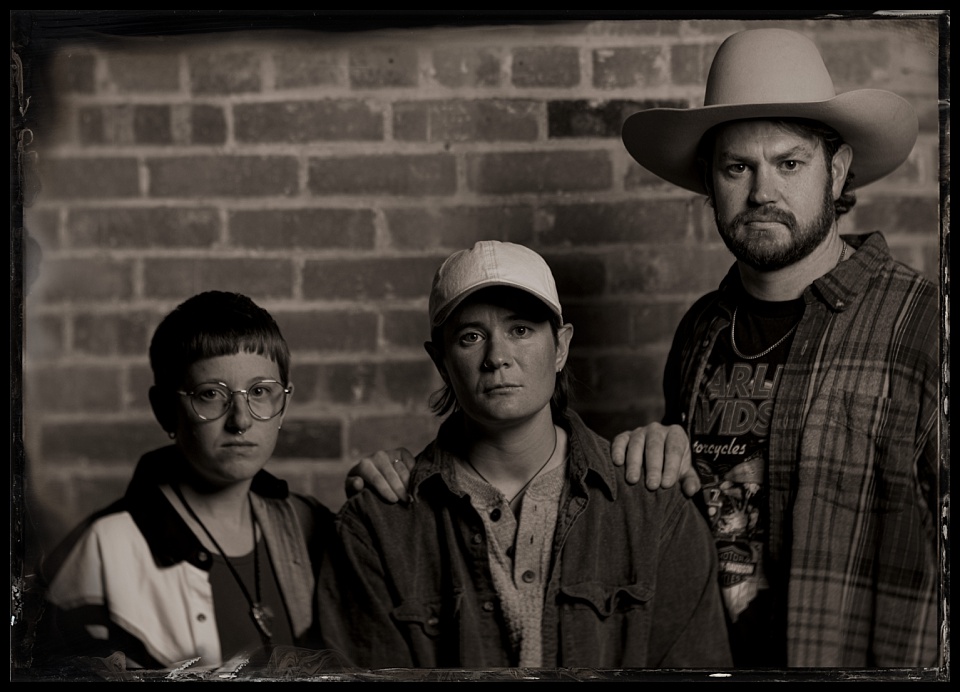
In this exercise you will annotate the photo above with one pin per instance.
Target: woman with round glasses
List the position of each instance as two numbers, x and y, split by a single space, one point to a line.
207 560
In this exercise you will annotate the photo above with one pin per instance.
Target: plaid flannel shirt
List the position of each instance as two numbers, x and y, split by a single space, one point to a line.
853 459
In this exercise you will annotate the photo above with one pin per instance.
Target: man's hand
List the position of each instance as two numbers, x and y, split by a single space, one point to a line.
387 472
662 451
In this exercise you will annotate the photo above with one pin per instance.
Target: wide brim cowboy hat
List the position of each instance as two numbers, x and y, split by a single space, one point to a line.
773 73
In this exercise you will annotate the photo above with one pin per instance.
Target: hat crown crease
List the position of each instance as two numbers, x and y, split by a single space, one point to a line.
776 67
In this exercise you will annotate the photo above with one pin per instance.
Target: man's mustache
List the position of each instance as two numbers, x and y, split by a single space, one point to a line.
766 215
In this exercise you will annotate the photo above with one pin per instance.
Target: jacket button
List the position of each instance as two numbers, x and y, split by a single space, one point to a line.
477 539
529 576
495 515
201 618
433 621
683 417
511 551
488 606
203 556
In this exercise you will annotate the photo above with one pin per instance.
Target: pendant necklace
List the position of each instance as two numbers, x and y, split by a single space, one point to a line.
530 480
261 615
733 325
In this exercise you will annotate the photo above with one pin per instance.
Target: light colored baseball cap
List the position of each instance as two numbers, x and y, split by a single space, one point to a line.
490 263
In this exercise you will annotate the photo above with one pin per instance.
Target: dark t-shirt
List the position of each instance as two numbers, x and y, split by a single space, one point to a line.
238 633
730 447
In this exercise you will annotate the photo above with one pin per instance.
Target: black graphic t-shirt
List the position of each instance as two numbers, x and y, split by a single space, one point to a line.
730 438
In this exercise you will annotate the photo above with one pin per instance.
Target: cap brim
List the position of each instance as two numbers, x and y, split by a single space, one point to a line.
444 312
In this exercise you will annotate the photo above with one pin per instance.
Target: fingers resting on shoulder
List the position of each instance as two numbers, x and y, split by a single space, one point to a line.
658 453
386 472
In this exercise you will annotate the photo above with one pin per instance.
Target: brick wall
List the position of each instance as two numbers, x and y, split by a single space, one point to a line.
326 175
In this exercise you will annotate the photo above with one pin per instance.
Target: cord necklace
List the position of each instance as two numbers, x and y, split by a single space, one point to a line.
261 615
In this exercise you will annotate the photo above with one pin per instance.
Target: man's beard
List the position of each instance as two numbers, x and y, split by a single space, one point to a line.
758 255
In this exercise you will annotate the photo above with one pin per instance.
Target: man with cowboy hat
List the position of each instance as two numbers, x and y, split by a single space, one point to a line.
808 382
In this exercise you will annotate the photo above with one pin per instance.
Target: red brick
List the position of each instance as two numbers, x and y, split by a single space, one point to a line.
671 269
90 178
300 67
857 64
72 389
181 278
225 73
546 66
288 229
369 434
410 124
619 324
227 176
162 227
102 441
426 174
307 121
582 118
621 68
406 328
896 213
309 439
655 221
333 384
383 66
639 178
546 171
105 334
141 72
41 225
411 383
152 125
43 337
578 274
690 65
208 125
467 66
610 423
71 72
629 378
367 279
493 120
70 279
454 228
328 331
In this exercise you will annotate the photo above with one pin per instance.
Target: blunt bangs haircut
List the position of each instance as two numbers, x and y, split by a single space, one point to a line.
830 141
211 324
529 307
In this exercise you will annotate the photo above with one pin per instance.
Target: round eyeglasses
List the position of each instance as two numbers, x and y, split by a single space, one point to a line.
211 400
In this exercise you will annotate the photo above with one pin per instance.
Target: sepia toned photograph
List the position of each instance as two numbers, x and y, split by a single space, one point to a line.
414 346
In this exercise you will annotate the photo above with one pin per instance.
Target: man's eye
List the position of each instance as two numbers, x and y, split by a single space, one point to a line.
469 338
791 165
210 394
521 330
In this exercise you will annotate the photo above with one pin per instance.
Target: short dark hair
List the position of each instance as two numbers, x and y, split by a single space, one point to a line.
211 324
830 141
444 400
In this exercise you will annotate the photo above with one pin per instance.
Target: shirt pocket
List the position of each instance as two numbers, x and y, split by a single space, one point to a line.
868 449
606 600
420 618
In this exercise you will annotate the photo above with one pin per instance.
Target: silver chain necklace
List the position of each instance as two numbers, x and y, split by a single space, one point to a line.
733 325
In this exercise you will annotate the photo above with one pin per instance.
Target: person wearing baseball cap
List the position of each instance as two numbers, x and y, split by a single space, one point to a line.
808 382
522 544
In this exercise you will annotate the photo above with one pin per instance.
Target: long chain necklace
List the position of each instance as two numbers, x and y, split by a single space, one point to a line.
260 614
733 325
517 494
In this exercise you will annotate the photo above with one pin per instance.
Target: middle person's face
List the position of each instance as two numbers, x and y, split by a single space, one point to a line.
501 364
